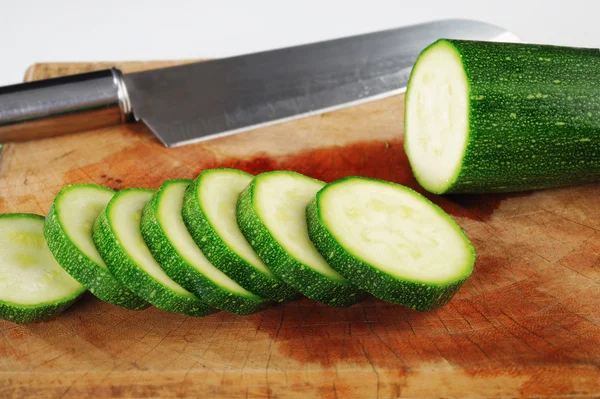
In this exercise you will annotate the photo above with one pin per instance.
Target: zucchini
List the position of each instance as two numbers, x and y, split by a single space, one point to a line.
209 213
501 117
117 236
174 249
271 213
33 286
390 241
68 233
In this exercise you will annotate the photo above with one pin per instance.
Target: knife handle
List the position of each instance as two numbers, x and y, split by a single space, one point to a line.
63 105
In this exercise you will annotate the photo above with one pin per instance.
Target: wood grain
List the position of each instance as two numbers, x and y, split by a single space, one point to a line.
526 324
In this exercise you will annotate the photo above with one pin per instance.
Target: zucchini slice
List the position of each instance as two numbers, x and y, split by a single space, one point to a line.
33 286
500 117
271 213
174 249
209 214
390 241
68 232
119 241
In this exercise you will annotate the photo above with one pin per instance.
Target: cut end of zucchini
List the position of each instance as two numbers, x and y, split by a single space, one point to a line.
280 200
32 285
29 273
396 229
390 241
272 215
78 206
219 193
436 117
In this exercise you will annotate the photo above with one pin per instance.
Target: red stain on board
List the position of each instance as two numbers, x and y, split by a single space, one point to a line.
376 159
467 334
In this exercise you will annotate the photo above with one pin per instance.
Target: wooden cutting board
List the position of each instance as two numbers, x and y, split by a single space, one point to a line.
526 324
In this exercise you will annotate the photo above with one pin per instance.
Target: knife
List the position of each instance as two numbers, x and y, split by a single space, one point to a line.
203 100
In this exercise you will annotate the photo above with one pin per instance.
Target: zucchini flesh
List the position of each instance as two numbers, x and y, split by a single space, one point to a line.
119 241
390 241
33 286
271 213
500 117
209 213
174 249
68 232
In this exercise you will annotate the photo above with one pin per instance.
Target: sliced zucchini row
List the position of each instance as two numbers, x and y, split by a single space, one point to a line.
119 241
390 241
68 232
271 213
33 286
174 249
209 213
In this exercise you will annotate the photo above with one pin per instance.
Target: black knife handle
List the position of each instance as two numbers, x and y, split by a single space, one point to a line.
63 105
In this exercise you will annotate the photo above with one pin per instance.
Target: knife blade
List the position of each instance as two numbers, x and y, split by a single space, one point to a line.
199 101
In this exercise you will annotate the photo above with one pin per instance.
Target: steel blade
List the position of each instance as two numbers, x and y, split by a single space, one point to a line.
194 102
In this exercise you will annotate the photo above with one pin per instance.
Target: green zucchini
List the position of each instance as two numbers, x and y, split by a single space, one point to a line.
209 213
500 117
390 241
117 236
33 286
271 213
68 233
174 249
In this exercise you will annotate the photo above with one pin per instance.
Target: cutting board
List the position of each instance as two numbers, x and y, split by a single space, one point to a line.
525 324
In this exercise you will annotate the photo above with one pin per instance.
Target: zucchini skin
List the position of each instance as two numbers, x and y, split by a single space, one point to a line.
534 116
221 256
413 294
177 268
309 282
27 314
98 280
31 313
118 261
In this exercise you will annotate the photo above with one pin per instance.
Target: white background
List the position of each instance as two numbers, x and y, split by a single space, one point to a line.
106 30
